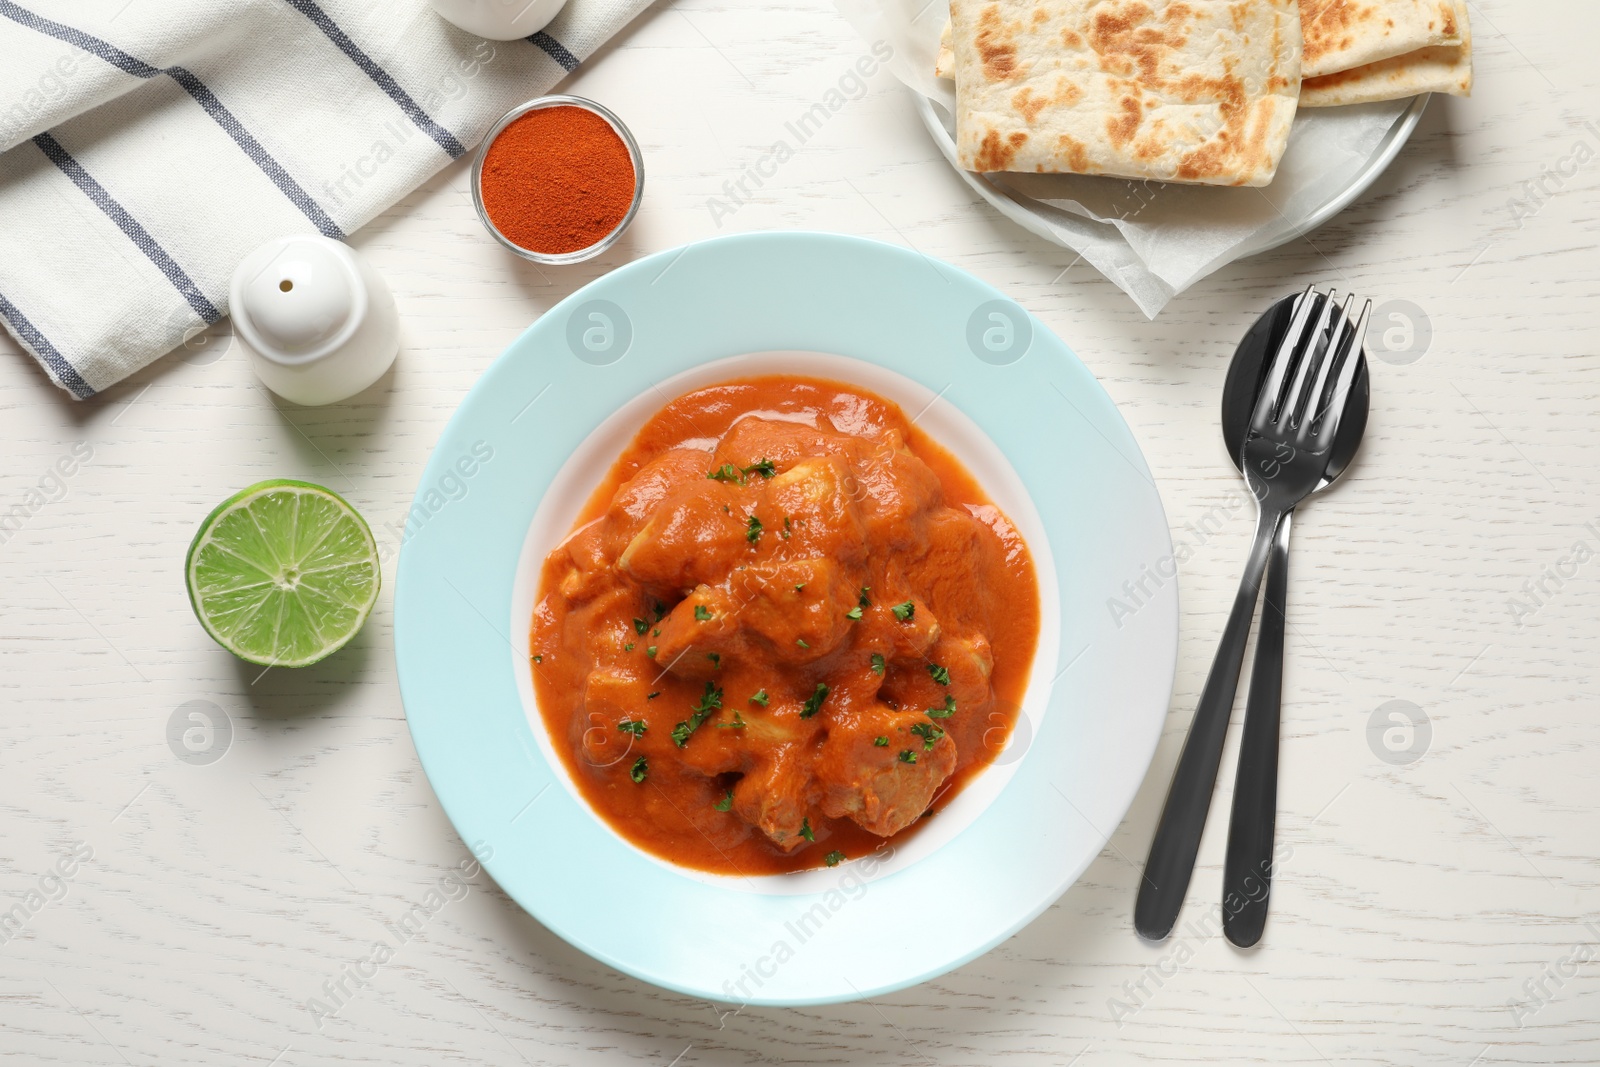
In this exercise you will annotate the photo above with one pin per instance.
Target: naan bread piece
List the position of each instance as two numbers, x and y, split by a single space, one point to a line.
1198 91
1342 34
1429 70
945 65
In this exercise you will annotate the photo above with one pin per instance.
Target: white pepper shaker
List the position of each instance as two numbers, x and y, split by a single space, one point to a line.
500 20
318 323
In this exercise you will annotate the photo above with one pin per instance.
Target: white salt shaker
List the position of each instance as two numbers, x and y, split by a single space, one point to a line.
318 323
500 20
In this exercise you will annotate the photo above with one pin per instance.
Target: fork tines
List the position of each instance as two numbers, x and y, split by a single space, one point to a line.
1345 362
1323 352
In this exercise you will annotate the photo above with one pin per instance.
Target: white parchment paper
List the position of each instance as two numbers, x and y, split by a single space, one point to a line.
1152 240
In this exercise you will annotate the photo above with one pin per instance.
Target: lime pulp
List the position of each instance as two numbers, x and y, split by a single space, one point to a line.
283 573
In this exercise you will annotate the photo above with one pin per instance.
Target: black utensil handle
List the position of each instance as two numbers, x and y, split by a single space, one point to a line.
1247 872
1183 817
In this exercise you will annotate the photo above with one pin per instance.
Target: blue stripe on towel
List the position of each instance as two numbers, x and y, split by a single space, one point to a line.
115 56
130 226
64 372
445 139
252 148
202 96
555 50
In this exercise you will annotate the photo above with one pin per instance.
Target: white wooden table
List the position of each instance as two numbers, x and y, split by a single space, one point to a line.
1435 906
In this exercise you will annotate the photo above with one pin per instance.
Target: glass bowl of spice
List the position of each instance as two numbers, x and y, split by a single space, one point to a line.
558 179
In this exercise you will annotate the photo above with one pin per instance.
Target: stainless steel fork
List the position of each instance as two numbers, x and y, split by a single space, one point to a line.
1292 429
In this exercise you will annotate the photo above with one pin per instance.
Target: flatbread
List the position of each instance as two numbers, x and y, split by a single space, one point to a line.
1429 70
945 65
1343 34
1199 91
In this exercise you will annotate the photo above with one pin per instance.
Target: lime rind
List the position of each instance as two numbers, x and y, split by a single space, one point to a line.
283 573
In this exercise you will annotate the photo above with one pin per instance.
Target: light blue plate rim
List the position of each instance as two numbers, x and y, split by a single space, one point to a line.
803 292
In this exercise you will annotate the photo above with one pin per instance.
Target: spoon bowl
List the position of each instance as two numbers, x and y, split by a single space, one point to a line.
1248 371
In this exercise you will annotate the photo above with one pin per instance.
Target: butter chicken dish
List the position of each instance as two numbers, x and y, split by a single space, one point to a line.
786 627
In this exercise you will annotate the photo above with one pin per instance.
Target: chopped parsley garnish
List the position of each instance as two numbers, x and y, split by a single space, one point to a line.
537 658
928 732
833 858
814 701
904 611
736 724
729 473
636 727
640 768
701 613
940 674
716 660
710 701
945 712
656 632
853 614
881 742
651 651
725 803
652 696
799 587
658 609
862 599
878 663
752 531
907 756
805 829
801 642
760 697
787 529
628 647
640 626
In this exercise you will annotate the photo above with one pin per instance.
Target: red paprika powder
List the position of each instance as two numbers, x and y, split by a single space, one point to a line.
558 179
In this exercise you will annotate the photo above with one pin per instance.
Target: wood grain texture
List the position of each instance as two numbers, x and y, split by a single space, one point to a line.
1420 901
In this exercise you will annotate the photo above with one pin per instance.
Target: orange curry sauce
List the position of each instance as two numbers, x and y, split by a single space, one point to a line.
786 627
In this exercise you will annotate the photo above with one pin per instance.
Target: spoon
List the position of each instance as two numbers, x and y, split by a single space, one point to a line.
1247 871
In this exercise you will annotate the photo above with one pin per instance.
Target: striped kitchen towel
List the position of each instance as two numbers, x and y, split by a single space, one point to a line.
147 145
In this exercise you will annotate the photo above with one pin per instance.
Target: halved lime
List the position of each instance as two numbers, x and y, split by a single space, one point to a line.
283 573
